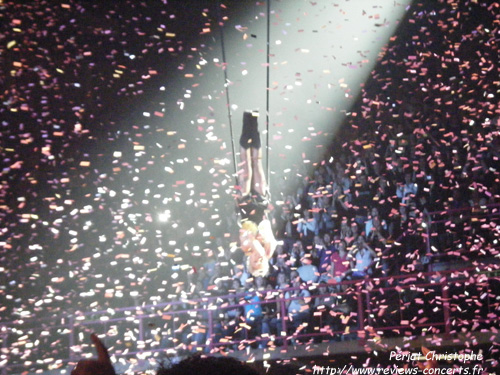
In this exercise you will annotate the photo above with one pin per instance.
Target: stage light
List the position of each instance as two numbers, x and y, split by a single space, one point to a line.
164 216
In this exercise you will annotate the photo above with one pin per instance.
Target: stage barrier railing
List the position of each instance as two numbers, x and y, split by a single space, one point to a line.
455 232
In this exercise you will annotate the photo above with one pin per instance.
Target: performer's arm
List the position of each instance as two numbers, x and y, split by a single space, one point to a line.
266 237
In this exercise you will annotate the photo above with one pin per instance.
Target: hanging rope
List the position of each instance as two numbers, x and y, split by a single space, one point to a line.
226 85
268 54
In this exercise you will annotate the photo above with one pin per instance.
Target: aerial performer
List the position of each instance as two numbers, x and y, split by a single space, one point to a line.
256 236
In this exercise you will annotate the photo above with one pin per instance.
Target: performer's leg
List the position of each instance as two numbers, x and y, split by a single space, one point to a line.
249 140
245 173
259 177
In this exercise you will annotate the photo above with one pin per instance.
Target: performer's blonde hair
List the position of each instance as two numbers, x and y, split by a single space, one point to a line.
263 268
250 226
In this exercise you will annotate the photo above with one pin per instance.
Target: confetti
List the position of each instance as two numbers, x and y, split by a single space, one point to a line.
117 185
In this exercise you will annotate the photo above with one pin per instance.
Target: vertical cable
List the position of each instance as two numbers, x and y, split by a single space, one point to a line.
268 54
226 85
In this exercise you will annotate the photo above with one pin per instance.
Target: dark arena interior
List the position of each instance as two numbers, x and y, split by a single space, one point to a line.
120 198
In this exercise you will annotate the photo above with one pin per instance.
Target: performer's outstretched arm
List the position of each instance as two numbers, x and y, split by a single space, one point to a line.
266 237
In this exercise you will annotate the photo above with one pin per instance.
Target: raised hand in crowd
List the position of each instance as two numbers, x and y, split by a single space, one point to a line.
100 366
